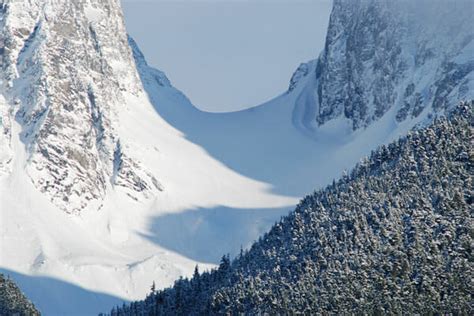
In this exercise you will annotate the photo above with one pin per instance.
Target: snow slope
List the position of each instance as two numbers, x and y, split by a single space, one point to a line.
223 178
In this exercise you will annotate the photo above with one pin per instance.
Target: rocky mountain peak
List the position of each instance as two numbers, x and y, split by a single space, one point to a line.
404 56
67 67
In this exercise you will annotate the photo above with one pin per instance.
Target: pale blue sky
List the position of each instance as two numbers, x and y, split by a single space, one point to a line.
228 55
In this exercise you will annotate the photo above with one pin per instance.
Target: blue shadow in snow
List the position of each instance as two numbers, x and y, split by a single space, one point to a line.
209 233
54 297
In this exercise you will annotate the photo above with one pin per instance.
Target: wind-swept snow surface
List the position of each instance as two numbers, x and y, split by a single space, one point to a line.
171 186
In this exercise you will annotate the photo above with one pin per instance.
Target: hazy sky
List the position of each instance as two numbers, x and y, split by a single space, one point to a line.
227 55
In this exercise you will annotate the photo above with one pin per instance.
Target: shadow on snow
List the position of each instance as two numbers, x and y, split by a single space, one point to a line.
48 295
226 227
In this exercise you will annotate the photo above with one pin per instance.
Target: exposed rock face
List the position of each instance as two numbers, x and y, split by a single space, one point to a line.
402 55
148 75
301 72
6 153
66 66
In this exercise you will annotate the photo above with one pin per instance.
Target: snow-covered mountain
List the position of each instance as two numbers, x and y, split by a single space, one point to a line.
381 56
66 68
110 177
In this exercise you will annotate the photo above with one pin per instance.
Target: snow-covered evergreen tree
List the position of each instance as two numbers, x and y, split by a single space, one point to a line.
12 301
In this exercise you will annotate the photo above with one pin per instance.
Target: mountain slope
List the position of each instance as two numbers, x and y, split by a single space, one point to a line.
394 236
412 57
66 68
111 178
105 244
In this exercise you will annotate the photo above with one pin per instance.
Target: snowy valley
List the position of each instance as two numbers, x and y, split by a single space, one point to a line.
111 179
